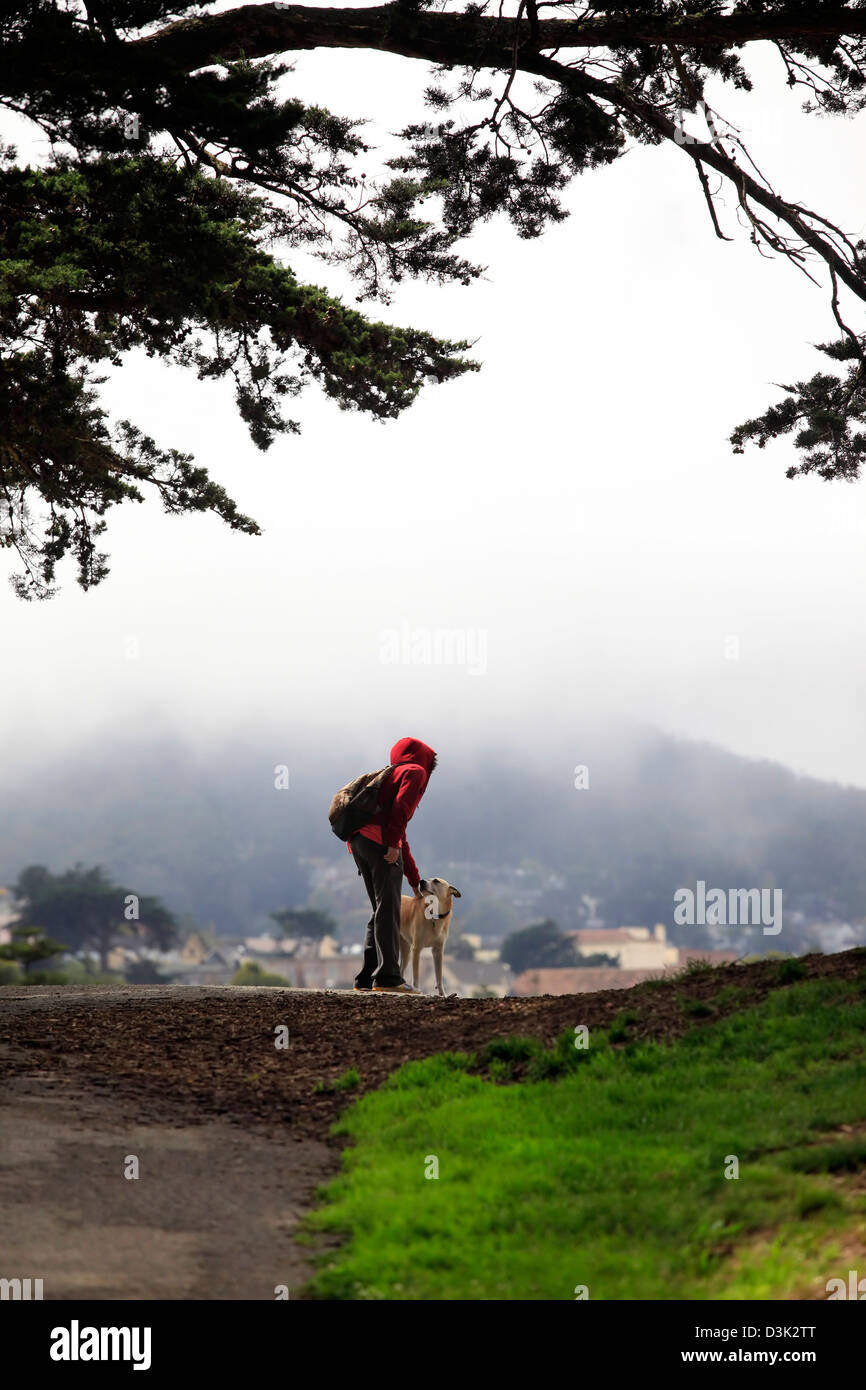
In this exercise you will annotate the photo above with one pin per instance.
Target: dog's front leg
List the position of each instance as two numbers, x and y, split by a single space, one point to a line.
438 950
416 962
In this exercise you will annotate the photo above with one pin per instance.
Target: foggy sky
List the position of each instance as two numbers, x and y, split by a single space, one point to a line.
572 515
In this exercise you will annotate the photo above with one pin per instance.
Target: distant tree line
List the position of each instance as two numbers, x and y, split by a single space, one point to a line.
80 912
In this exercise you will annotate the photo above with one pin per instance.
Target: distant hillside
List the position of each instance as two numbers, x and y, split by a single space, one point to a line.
215 839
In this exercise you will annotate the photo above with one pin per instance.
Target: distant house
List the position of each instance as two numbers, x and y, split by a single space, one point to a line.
215 969
330 972
282 946
635 948
195 949
588 979
313 964
197 961
119 957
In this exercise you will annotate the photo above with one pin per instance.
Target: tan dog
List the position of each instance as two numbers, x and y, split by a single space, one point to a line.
424 921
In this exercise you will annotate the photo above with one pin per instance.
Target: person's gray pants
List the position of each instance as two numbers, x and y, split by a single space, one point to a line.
383 882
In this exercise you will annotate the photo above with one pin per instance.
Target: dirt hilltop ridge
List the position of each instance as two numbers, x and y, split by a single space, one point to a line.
191 1083
211 1050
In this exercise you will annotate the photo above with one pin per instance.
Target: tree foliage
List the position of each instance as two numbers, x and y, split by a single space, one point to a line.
305 922
181 172
29 946
539 947
252 973
87 911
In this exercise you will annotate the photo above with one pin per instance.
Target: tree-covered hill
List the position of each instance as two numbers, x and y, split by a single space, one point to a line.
211 835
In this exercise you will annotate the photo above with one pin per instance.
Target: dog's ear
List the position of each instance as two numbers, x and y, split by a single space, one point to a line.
455 892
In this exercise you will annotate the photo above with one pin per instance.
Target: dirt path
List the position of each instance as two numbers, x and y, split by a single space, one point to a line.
210 1216
229 1131
231 1127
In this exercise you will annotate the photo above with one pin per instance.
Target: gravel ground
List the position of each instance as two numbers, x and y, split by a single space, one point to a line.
230 1130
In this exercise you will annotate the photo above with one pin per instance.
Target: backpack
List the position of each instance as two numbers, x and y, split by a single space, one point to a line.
357 803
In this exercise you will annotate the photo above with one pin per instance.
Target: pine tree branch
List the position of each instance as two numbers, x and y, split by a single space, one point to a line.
258 31
749 189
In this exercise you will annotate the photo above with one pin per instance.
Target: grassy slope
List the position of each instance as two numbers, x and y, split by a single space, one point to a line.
605 1167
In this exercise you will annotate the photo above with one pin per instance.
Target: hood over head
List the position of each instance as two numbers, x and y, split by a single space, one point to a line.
412 750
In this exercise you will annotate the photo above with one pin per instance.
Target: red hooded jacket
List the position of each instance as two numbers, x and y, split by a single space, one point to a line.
406 784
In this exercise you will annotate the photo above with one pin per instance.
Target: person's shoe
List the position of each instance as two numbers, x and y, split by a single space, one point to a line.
362 989
402 988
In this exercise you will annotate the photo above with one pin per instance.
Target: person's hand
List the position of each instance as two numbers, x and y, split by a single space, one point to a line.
391 856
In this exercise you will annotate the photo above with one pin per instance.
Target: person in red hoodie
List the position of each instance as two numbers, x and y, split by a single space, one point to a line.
382 853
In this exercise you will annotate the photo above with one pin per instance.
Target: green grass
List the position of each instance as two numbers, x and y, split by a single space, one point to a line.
698 967
658 982
608 1168
347 1082
514 1049
729 996
618 1031
697 1008
787 971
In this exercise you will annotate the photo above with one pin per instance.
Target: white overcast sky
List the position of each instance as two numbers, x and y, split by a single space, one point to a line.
575 505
